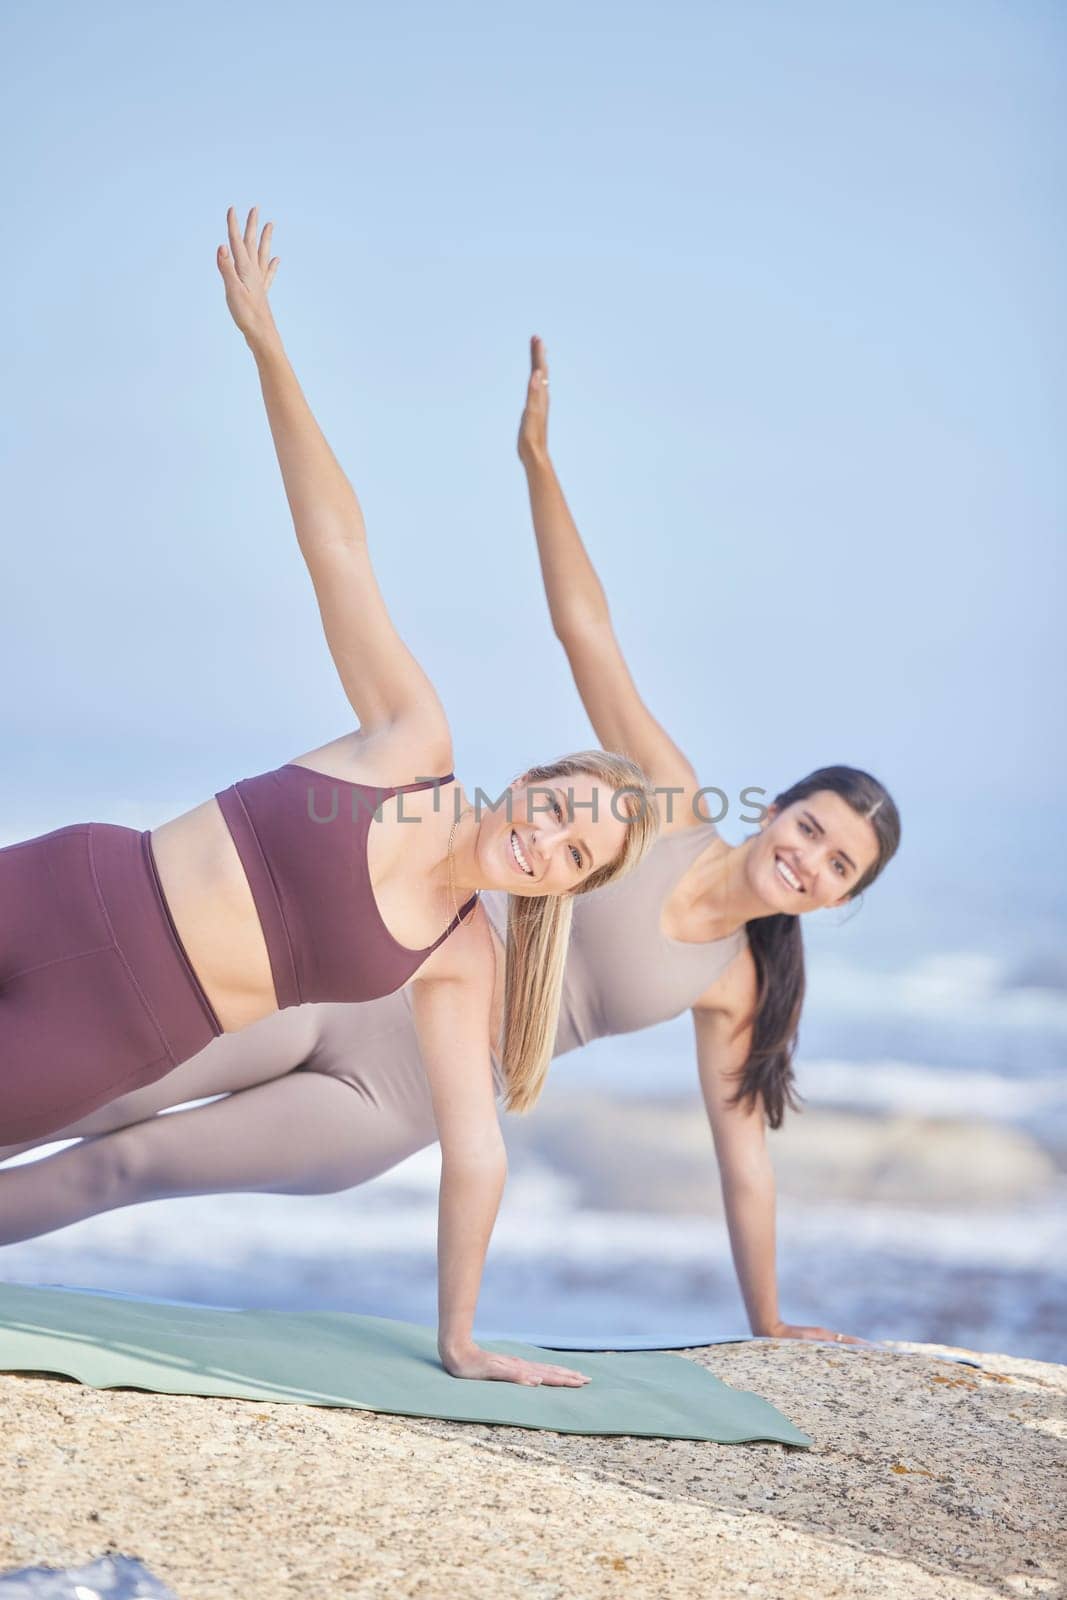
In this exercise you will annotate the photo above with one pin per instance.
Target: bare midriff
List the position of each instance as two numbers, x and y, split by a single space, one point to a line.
211 906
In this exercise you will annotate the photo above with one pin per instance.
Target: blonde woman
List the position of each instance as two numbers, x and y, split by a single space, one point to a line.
123 954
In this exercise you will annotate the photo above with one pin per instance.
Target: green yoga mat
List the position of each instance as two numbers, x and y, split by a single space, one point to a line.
333 1358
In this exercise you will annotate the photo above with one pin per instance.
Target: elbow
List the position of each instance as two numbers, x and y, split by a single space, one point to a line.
481 1158
581 624
330 530
753 1175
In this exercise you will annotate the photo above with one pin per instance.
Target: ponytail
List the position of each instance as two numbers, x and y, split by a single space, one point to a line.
777 947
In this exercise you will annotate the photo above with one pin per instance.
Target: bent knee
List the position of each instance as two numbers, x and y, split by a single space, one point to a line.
113 1170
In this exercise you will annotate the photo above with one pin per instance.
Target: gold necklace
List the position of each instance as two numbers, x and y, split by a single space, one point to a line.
452 874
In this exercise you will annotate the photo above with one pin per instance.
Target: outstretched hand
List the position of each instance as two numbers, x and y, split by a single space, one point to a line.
533 429
248 272
477 1363
791 1330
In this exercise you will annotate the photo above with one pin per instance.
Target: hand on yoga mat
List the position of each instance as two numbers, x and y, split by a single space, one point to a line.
474 1362
791 1330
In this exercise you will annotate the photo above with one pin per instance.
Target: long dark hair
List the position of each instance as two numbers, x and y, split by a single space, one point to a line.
778 947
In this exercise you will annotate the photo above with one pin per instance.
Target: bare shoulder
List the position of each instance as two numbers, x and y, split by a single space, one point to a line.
734 993
452 1007
388 757
467 957
723 1019
677 808
687 803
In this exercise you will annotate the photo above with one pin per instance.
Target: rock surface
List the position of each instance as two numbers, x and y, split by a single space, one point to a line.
928 1479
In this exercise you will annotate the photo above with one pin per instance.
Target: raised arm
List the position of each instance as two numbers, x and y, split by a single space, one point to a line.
384 683
451 1011
582 621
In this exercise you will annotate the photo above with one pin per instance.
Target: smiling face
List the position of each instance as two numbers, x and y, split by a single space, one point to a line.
552 836
811 854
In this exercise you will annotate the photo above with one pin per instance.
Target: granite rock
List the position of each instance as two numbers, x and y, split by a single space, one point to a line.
928 1479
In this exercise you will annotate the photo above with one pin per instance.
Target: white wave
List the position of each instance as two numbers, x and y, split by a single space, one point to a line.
904 1086
539 1224
958 986
1020 1239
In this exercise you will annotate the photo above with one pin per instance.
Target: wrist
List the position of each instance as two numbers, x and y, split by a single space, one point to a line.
767 1327
455 1347
265 343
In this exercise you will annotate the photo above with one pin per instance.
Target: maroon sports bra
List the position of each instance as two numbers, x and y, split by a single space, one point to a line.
302 839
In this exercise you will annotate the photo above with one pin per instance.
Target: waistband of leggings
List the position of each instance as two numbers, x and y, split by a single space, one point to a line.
205 1004
131 895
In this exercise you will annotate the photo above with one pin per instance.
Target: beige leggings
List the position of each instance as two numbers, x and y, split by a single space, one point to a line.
316 1099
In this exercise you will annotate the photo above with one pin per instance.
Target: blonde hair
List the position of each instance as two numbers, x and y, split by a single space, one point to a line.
539 926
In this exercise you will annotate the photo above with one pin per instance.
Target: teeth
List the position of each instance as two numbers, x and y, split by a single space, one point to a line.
790 877
519 856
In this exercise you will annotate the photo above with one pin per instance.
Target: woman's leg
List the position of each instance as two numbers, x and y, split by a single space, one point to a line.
257 1054
305 1133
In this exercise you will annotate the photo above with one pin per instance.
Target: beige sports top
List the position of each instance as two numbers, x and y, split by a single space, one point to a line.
622 971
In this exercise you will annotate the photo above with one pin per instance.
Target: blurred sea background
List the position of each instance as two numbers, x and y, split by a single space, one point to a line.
797 270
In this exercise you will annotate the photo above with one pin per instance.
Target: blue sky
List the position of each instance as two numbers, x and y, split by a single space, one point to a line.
797 267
